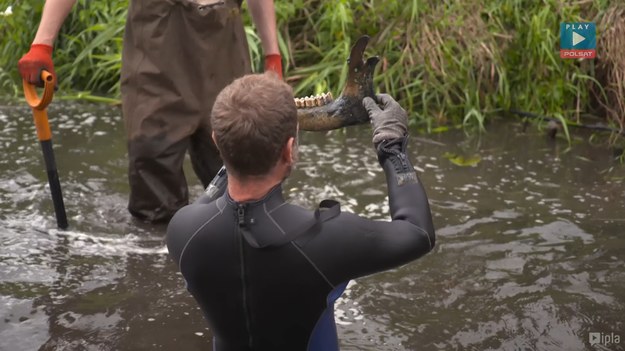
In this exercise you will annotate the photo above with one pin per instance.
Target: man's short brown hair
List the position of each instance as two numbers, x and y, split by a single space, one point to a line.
252 119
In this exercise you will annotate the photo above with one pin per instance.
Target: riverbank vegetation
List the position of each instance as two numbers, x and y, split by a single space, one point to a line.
452 63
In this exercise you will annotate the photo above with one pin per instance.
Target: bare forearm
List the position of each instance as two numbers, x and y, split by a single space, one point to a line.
264 17
54 14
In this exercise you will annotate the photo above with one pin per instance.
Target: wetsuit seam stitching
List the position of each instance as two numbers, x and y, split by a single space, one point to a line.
277 207
197 231
273 220
313 264
221 209
426 235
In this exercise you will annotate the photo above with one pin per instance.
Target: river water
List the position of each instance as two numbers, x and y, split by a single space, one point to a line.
530 252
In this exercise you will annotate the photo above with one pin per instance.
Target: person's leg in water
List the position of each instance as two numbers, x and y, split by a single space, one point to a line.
168 89
205 157
158 187
231 61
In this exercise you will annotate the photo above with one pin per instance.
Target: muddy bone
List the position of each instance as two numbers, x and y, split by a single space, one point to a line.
322 112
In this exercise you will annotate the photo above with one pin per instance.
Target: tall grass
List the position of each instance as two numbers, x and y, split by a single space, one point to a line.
449 62
16 32
611 70
87 53
462 62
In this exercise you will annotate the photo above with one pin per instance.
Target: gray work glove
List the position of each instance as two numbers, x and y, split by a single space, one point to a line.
389 121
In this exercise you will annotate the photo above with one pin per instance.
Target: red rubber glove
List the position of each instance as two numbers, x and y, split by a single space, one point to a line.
38 58
273 62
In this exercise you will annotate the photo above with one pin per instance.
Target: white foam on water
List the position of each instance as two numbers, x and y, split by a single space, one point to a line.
107 245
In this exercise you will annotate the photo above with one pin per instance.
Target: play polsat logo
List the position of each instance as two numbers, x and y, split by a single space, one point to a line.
578 40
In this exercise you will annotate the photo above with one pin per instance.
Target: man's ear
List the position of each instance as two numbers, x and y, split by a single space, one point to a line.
288 153
214 139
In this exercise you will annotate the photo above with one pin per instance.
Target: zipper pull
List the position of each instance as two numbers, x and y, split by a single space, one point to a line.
241 215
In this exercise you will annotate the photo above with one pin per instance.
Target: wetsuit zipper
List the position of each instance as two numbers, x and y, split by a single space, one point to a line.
404 162
246 308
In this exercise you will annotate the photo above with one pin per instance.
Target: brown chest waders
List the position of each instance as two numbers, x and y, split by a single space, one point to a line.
177 56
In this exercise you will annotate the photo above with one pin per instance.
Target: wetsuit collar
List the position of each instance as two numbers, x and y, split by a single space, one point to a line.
269 221
271 200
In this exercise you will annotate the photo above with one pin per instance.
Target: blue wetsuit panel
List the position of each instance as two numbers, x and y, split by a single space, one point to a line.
324 336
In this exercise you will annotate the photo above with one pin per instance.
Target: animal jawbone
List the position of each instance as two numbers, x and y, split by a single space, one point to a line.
322 112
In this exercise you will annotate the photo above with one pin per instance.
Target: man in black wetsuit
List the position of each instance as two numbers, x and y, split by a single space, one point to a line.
266 273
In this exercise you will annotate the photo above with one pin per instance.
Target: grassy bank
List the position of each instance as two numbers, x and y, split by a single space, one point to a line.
449 62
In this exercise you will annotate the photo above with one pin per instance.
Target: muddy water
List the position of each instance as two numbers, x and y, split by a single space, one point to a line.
530 255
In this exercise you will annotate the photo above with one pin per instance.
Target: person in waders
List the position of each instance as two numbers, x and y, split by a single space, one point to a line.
264 272
177 56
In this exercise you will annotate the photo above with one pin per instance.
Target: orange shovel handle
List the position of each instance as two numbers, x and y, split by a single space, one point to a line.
48 91
39 105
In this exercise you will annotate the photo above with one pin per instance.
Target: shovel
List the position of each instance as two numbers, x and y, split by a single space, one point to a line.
40 115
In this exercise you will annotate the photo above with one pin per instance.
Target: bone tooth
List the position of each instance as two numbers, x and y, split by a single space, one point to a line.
299 102
329 96
325 98
318 101
296 101
309 102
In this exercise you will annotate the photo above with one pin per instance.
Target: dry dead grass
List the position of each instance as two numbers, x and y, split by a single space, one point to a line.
611 63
